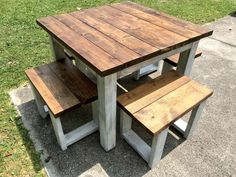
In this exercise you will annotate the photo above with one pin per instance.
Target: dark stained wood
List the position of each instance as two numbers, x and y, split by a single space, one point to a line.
204 32
62 86
174 59
120 36
149 92
149 33
111 38
115 49
154 19
82 87
159 108
94 56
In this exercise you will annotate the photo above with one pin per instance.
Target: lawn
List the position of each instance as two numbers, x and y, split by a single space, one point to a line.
23 45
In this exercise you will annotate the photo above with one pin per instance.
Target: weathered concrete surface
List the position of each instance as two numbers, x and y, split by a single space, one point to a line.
224 30
210 152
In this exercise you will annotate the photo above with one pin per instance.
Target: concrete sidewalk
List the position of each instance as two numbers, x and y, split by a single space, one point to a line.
210 152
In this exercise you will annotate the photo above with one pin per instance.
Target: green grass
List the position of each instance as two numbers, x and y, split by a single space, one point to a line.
23 45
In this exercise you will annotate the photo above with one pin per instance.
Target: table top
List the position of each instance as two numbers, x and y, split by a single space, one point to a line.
113 37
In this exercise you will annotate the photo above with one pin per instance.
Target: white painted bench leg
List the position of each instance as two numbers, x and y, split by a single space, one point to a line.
56 122
166 67
39 102
125 122
57 50
158 143
186 60
107 93
193 120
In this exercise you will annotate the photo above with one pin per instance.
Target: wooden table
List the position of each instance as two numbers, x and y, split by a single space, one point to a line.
116 39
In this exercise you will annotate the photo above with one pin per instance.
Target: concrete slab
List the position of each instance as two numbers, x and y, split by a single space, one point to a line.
224 30
210 152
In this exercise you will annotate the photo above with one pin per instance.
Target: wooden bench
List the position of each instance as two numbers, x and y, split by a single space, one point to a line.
172 61
169 64
60 87
158 104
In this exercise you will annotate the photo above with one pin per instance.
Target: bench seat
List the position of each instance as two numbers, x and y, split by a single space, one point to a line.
158 104
61 87
169 64
174 59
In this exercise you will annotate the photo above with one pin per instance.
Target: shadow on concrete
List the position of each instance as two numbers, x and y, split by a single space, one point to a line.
29 145
83 155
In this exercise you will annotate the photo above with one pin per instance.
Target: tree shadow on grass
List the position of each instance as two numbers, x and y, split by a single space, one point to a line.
233 14
85 154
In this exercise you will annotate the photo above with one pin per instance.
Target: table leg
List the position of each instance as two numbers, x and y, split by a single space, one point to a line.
107 92
57 49
186 60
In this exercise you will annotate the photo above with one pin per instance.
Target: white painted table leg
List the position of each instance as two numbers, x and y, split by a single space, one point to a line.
95 109
56 122
107 92
125 122
83 68
39 102
186 60
166 67
158 143
193 120
57 50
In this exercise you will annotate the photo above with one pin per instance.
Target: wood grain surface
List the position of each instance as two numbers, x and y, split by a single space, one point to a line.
160 102
174 59
113 37
62 86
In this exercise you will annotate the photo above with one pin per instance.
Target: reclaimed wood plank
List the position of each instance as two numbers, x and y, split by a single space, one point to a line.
158 115
149 92
143 30
95 57
82 87
115 49
181 23
156 20
120 36
56 95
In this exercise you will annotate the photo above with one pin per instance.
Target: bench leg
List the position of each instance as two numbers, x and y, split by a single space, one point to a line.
193 120
39 102
125 123
166 67
158 143
56 122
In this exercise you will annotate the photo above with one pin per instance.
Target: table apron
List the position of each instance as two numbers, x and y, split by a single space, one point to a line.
154 60
86 69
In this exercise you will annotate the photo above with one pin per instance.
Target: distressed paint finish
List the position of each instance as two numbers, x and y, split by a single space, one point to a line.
193 120
186 60
107 92
57 49
40 103
158 143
